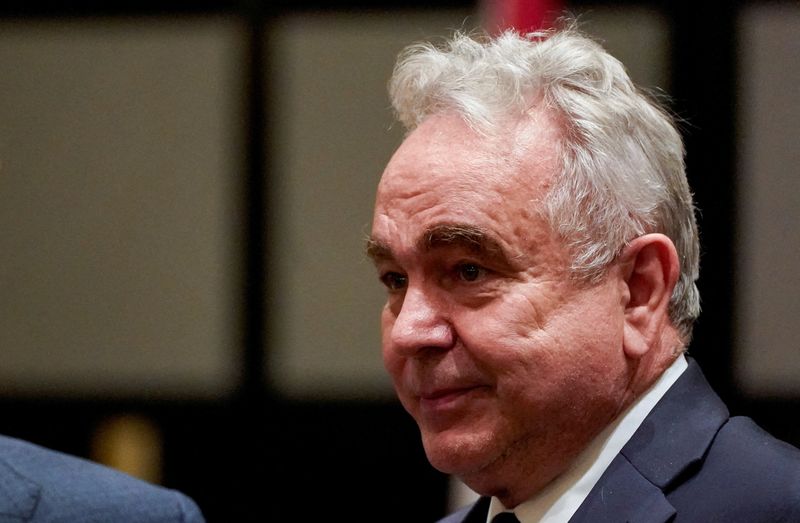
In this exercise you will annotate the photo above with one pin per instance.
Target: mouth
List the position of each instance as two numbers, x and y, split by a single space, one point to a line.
448 400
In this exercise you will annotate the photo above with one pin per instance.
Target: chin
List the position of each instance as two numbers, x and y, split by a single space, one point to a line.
457 453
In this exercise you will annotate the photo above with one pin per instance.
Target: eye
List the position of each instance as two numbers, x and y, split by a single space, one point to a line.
394 281
469 271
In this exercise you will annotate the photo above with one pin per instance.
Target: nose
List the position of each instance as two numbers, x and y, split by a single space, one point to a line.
421 323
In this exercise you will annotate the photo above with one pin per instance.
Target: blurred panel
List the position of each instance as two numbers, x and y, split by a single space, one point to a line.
120 145
331 135
767 355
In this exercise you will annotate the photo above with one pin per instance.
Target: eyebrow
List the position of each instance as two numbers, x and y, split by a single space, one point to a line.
377 250
471 238
468 237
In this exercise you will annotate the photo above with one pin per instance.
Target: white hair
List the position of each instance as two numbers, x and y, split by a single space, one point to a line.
622 173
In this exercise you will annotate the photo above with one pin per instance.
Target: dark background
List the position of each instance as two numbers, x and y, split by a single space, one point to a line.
257 456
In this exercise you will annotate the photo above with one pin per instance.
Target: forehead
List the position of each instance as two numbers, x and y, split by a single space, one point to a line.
444 148
445 172
445 162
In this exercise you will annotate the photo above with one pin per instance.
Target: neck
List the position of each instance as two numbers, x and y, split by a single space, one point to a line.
532 464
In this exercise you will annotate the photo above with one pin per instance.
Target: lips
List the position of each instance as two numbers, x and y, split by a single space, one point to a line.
442 400
444 393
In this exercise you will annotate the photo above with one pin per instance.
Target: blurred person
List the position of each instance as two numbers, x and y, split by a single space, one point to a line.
43 485
536 234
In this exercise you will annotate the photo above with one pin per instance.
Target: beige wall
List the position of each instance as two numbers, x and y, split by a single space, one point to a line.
119 208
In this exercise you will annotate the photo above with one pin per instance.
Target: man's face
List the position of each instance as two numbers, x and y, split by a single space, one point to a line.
492 348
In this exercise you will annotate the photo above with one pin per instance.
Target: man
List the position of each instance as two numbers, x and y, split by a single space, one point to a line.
42 485
536 235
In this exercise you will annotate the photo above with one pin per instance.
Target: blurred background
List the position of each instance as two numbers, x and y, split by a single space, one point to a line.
184 192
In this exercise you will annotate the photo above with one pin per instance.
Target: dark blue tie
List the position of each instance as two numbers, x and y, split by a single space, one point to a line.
505 517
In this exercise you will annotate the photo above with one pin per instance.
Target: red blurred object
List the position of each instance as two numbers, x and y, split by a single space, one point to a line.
522 15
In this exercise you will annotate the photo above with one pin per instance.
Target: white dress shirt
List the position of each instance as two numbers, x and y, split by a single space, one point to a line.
559 500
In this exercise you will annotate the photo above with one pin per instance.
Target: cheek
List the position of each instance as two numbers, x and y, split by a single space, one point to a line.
583 353
505 326
543 337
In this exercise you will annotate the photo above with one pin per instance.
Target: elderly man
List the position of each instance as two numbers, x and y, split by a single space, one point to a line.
536 235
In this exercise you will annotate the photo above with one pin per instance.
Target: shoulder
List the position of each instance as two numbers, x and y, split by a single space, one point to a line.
47 485
742 445
747 475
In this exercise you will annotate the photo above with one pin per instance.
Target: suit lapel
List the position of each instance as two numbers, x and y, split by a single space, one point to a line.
624 495
18 494
676 434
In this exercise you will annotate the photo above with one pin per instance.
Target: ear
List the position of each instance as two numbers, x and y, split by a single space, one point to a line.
650 268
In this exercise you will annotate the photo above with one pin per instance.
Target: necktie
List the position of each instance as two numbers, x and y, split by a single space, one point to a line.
505 517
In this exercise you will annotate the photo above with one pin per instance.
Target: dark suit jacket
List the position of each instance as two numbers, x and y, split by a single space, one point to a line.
690 462
42 485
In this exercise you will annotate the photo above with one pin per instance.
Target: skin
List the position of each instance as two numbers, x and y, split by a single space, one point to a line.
509 366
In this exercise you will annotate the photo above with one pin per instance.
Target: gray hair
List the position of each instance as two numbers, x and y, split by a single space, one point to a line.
622 172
